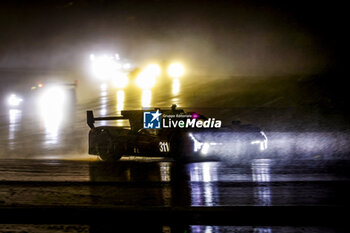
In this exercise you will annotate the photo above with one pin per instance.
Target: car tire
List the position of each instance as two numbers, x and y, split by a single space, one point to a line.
179 147
107 149
110 157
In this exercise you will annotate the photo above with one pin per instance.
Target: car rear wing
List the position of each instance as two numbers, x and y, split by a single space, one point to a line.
91 119
134 117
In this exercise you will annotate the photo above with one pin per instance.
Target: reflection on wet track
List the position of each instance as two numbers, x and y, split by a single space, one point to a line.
103 100
201 174
120 101
176 87
15 116
54 116
165 183
145 183
261 173
146 98
149 182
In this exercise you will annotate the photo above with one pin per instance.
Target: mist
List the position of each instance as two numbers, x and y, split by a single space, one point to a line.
221 38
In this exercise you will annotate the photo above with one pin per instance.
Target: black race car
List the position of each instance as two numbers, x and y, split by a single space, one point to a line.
113 142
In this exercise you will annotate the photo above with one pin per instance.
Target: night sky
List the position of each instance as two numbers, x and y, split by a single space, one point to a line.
212 37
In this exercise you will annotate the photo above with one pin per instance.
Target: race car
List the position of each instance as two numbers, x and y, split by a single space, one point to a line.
112 142
29 96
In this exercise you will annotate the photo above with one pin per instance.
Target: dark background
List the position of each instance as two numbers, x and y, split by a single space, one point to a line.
221 37
289 47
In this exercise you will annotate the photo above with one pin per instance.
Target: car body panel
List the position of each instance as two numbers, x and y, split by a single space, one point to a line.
171 142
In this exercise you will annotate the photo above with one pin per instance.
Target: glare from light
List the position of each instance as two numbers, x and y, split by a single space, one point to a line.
104 67
118 66
120 101
176 86
103 103
197 144
121 80
262 144
15 116
145 80
52 100
202 192
176 70
14 101
52 107
103 87
265 139
205 149
164 169
146 98
126 66
153 69
261 170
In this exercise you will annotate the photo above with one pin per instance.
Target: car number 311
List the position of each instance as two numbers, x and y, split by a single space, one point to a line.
164 147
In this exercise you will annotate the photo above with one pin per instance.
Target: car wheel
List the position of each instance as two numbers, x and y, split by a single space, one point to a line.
110 155
180 149
106 148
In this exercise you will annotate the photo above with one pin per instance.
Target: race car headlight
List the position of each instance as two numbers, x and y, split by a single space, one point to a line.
14 101
197 144
262 143
145 80
105 67
153 70
52 100
121 80
205 148
202 147
265 139
176 70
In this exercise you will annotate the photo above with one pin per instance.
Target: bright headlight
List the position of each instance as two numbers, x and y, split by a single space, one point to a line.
265 139
176 70
197 144
145 80
52 105
52 100
153 69
104 67
121 80
261 143
205 148
14 101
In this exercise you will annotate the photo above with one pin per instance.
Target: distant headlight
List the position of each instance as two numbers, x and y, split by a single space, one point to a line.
14 101
52 100
105 67
153 69
145 80
121 80
262 143
176 70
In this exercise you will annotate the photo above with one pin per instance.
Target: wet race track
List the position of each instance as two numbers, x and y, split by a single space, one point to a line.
45 171
257 193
